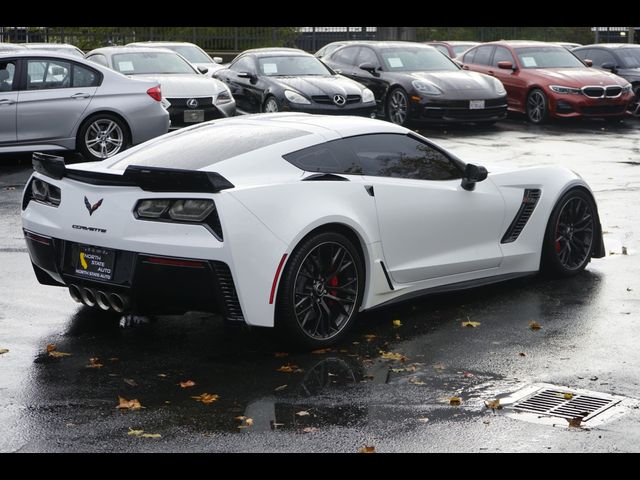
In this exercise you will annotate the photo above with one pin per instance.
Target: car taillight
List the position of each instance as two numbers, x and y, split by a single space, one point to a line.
155 93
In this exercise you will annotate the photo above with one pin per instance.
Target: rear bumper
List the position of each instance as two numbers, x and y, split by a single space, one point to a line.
150 283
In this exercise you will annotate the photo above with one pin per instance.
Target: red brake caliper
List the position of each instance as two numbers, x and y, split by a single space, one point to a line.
333 282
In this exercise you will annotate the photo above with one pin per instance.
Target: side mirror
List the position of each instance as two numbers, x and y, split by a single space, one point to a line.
506 65
588 63
472 175
217 59
609 66
203 70
369 67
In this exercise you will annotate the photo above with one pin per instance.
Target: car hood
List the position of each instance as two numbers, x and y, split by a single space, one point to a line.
577 77
320 85
185 85
458 81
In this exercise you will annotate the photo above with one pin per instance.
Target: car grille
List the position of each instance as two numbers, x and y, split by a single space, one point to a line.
529 202
233 311
326 99
610 91
604 110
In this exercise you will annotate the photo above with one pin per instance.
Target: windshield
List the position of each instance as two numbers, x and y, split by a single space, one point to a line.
191 53
458 49
293 65
142 63
547 57
408 59
630 57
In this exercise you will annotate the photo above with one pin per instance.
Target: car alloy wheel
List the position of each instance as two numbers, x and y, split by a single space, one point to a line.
271 105
398 107
537 106
104 138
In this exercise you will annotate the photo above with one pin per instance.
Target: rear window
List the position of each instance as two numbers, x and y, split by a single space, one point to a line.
206 145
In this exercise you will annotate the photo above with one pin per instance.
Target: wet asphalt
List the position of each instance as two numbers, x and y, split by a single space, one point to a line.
347 398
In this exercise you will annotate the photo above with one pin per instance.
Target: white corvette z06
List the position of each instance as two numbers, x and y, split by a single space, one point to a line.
296 221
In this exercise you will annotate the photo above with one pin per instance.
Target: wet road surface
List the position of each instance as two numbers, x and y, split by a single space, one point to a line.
344 399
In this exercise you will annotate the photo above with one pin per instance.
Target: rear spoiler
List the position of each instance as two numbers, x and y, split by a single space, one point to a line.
150 179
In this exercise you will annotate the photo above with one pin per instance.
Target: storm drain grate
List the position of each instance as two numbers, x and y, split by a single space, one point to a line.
565 404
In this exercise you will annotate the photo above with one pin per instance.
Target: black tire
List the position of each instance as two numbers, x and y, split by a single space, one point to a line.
270 100
537 107
113 131
317 304
397 107
570 237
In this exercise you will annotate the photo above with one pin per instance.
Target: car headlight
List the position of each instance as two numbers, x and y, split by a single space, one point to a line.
367 96
427 88
294 97
565 90
627 88
500 90
223 97
42 192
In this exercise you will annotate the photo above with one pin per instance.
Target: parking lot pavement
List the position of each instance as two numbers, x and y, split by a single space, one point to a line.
350 397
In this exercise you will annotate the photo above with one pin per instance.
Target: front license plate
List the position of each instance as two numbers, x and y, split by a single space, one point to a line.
476 104
193 116
95 262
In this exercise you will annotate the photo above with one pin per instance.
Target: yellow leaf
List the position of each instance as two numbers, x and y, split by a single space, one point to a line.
567 396
455 401
289 368
280 354
94 362
534 325
416 381
302 413
493 404
249 421
135 433
187 384
240 418
3 350
367 449
393 356
309 429
575 422
125 404
151 435
56 354
369 337
397 323
207 398
50 348
320 351
439 366
470 324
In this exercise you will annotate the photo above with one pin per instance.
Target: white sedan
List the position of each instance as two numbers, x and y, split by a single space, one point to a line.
296 221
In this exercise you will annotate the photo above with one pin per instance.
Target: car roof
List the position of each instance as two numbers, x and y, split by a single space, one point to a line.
523 43
383 43
46 44
611 45
153 42
40 53
127 49
271 51
453 43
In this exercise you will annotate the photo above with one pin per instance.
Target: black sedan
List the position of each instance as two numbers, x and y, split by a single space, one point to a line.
414 82
287 79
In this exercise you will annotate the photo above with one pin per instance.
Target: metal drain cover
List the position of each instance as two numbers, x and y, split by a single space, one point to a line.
554 405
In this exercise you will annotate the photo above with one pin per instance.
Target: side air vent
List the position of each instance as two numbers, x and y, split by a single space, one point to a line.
529 202
228 292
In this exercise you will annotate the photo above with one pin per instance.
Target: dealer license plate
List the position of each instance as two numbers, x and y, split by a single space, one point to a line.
95 263
193 116
476 104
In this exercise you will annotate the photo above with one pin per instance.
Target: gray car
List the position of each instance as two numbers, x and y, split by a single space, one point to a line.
190 51
193 97
55 101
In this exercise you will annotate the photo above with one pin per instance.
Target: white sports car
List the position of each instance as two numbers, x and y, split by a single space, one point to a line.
296 221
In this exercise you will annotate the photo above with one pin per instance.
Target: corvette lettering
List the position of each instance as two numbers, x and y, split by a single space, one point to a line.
89 229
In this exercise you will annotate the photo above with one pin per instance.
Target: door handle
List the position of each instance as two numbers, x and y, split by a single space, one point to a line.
80 95
6 101
491 72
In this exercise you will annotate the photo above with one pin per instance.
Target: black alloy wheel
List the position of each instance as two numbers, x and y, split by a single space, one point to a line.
398 107
537 106
320 291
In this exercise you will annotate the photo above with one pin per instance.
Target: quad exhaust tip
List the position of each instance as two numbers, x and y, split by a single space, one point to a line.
74 291
106 301
102 299
88 297
118 302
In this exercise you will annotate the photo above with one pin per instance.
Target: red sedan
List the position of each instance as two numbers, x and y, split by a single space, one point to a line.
545 80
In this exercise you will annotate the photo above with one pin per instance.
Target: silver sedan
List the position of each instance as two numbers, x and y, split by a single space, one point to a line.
55 101
193 97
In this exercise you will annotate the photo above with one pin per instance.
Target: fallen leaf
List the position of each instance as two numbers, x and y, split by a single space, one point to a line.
455 401
397 323
187 384
410 368
309 429
393 356
593 379
130 381
207 398
3 350
534 325
303 413
125 404
240 418
51 350
575 422
629 289
470 324
423 419
368 337
289 368
522 354
367 449
416 381
249 421
9 188
280 354
135 433
94 362
275 425
368 377
50 347
320 351
151 435
468 374
343 350
567 396
493 404
439 366
280 388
